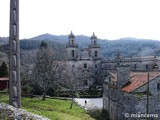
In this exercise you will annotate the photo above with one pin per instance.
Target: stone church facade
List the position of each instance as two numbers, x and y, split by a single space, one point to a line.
86 61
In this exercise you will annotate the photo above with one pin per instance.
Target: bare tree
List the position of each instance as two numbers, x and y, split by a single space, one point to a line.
45 70
71 81
28 58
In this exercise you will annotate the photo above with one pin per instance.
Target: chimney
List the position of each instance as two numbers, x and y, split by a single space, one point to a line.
123 75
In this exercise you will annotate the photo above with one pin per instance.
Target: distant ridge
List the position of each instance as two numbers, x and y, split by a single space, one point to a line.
61 38
4 40
128 46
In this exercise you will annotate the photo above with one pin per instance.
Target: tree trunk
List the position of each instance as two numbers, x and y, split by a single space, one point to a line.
44 96
72 102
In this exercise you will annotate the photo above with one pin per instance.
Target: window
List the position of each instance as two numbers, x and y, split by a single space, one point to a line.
96 73
109 79
72 53
73 66
71 42
146 67
95 53
135 66
85 82
85 65
109 67
94 42
95 66
155 67
96 80
114 83
158 86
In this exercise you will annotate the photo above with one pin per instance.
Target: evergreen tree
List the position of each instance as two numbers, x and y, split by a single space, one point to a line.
3 70
43 45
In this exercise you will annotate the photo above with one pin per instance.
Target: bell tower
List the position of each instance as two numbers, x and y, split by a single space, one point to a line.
71 47
94 47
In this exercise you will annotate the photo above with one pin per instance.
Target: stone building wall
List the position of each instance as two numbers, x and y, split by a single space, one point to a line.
155 103
92 70
119 103
127 104
152 87
136 64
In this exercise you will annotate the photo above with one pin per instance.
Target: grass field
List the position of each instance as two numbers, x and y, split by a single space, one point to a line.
52 108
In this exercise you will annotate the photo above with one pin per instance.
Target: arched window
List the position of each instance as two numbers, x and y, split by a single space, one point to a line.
85 82
95 53
94 42
72 53
71 42
85 65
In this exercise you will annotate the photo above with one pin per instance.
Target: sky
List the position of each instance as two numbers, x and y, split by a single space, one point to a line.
109 19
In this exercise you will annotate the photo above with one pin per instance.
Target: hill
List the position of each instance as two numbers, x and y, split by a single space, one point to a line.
4 40
81 39
128 47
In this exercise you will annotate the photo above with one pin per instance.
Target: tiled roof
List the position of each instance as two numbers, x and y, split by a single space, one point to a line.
138 79
4 78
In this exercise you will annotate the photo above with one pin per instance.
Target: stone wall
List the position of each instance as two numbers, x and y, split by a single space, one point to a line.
119 103
136 64
7 112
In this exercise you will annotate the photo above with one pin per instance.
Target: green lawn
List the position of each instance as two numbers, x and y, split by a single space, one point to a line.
51 108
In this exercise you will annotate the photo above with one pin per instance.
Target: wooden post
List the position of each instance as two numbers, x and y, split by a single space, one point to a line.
14 56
